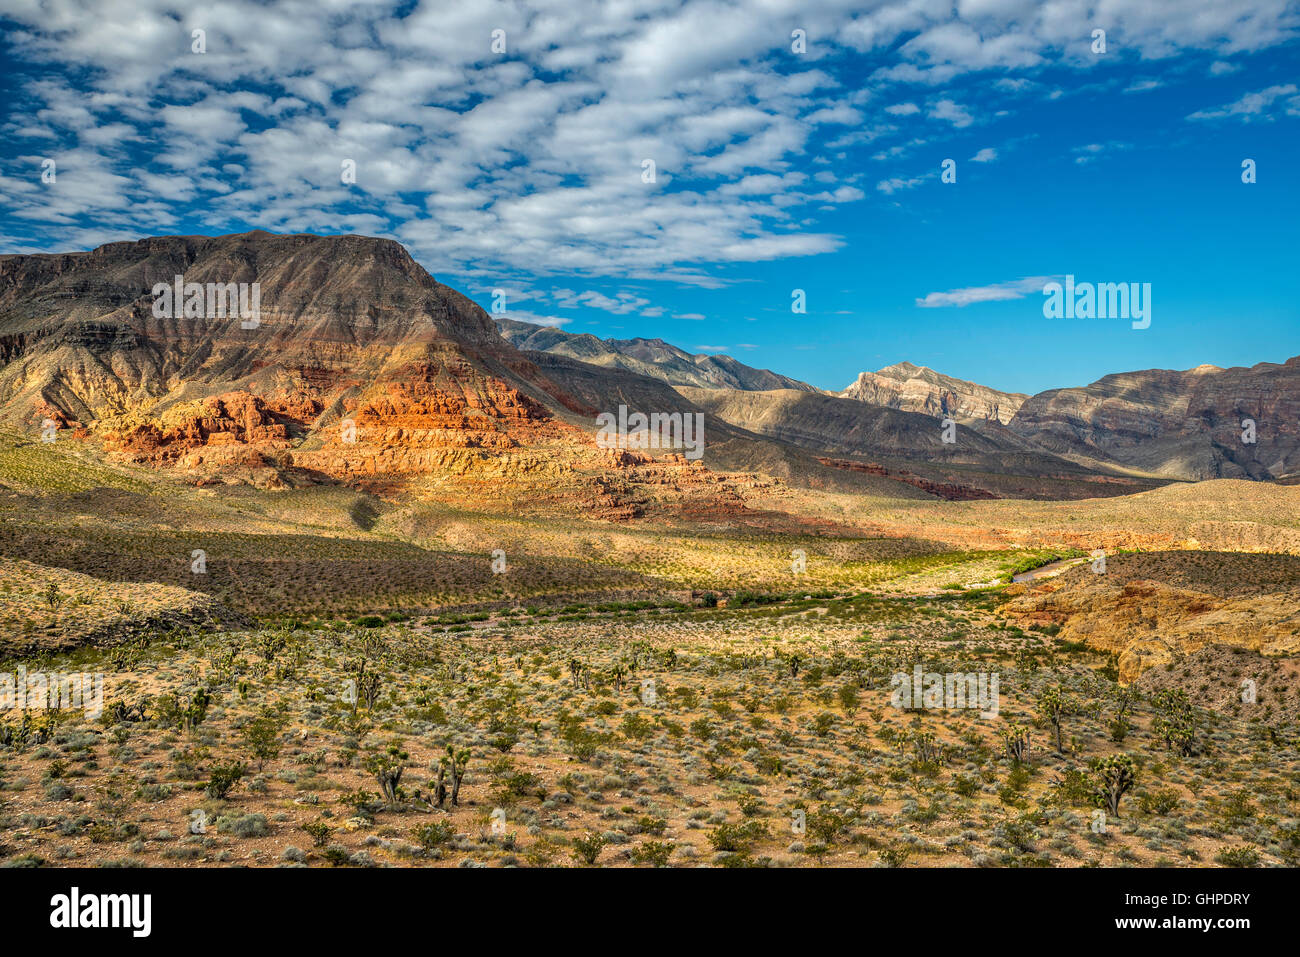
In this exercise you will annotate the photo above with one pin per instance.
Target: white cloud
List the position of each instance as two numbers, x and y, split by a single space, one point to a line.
537 319
951 112
1253 106
891 186
987 155
1094 151
997 292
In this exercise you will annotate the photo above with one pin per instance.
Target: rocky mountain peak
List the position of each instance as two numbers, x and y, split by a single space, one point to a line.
914 388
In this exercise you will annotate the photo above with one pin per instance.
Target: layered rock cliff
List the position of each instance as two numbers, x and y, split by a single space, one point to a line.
915 388
1202 423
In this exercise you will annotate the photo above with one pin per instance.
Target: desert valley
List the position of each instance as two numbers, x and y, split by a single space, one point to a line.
354 584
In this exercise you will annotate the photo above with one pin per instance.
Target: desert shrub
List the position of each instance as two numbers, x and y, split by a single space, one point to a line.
652 825
337 855
1074 788
895 856
504 737
654 853
636 727
737 838
1019 833
588 848
965 786
319 832
434 834
1158 802
827 824
1237 857
223 778
262 736
512 785
244 825
1237 809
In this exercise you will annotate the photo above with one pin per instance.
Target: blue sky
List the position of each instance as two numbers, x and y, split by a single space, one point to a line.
776 169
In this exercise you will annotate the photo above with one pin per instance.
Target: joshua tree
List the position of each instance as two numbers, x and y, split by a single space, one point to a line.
368 689
440 785
1017 743
368 684
197 709
1124 698
926 748
452 766
387 767
1053 705
1175 723
1115 776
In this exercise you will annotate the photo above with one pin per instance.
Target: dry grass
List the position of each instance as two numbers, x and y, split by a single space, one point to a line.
759 712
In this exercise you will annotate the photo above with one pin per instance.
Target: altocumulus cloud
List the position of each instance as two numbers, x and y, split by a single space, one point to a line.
526 162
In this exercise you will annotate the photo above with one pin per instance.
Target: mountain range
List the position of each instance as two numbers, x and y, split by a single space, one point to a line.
1157 423
651 357
361 368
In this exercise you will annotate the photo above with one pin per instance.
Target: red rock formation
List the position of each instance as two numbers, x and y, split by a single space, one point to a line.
234 419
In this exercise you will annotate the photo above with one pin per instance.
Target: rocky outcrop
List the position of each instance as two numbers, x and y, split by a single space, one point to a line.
217 426
918 389
1149 621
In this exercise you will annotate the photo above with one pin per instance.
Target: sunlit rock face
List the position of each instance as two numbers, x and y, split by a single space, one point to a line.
1203 423
918 389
